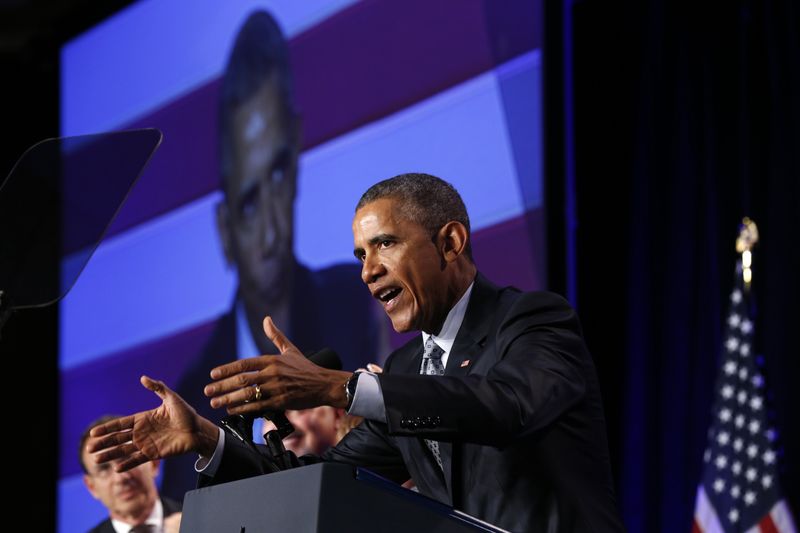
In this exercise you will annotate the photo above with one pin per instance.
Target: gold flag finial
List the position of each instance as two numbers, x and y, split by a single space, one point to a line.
748 237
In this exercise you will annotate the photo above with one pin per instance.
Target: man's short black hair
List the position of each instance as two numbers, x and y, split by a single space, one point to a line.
85 436
260 54
427 200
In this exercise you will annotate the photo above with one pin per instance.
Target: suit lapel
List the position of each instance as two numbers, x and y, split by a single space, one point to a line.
469 340
467 348
471 335
408 359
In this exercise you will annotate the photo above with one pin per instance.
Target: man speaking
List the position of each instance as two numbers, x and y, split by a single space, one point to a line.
494 409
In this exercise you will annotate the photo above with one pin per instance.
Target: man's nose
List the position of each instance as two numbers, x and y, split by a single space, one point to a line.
268 238
122 476
371 269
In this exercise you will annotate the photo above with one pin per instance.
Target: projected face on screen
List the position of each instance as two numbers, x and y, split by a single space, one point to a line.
255 221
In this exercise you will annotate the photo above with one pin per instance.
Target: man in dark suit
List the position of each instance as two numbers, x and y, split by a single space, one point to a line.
506 423
131 497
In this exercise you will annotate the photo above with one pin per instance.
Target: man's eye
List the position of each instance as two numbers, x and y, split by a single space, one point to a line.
279 170
386 244
102 470
278 175
247 205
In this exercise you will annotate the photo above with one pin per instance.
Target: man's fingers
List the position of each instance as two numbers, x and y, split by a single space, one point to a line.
159 387
123 451
107 441
237 396
276 336
112 426
133 461
239 378
251 364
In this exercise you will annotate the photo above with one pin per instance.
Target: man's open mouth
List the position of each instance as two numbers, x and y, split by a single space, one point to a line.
388 294
388 297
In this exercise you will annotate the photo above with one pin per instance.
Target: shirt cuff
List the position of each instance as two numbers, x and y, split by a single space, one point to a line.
208 466
368 399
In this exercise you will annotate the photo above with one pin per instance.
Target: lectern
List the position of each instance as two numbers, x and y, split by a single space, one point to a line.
326 497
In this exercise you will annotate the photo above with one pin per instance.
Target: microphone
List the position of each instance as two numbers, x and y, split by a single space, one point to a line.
326 358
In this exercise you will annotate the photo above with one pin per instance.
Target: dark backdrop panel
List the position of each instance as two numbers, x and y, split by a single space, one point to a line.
687 119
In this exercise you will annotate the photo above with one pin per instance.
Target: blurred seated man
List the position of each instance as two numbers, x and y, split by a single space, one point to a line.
131 497
315 429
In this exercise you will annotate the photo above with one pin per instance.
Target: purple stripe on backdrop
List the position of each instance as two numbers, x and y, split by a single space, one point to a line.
111 386
366 74
375 58
184 167
512 252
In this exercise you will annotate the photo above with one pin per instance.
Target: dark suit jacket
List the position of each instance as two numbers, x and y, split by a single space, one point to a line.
170 507
518 415
330 307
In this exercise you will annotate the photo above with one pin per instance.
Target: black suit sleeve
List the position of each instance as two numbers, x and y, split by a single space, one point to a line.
367 445
538 376
238 462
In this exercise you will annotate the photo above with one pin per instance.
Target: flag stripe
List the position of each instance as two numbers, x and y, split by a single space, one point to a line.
767 525
705 516
781 517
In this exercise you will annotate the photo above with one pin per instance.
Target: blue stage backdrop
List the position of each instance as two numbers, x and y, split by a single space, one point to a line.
452 88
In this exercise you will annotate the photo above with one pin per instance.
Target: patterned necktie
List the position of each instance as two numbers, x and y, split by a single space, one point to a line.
432 366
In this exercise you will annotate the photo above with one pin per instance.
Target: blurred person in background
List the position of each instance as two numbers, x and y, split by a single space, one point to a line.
131 497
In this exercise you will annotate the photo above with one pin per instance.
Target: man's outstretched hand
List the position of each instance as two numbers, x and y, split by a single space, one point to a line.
276 382
173 428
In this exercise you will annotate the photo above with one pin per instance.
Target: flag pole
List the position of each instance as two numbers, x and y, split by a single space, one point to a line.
748 237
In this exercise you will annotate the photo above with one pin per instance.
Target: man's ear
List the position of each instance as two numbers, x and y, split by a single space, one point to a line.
223 230
452 240
154 467
89 482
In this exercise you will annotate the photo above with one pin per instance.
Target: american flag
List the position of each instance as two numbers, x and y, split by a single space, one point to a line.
739 489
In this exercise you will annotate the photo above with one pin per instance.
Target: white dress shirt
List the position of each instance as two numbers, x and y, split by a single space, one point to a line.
156 519
245 345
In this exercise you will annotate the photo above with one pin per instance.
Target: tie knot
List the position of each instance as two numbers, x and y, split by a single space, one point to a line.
432 363
433 350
